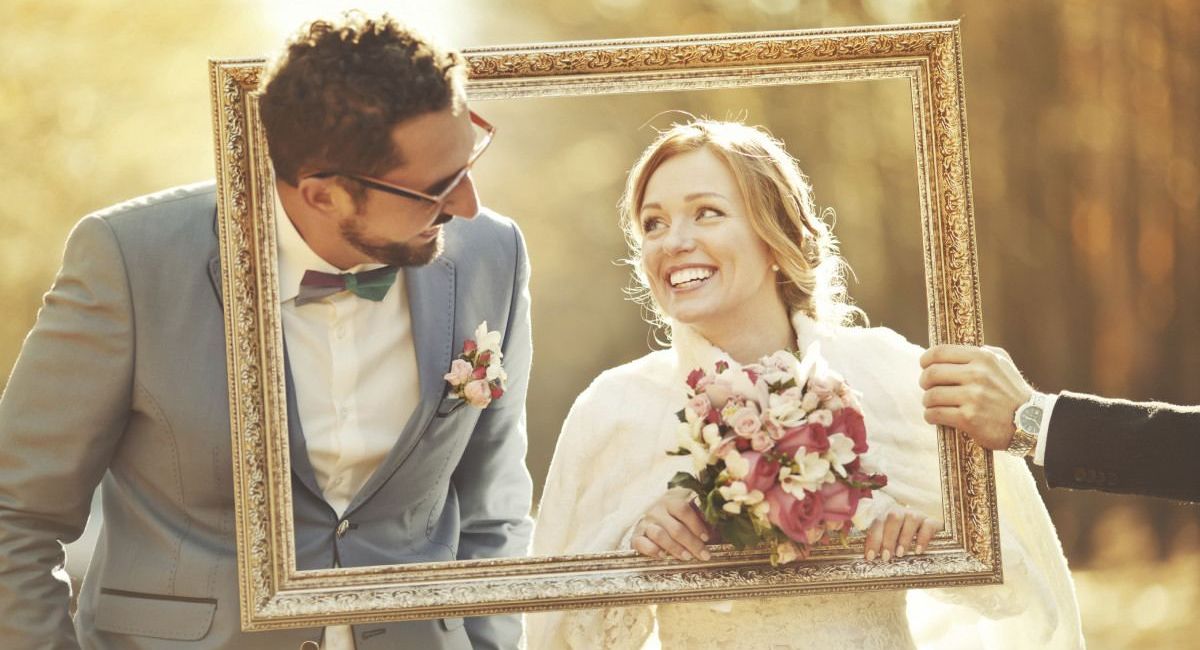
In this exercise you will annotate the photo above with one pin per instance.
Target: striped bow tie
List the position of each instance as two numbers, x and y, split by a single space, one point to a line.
372 285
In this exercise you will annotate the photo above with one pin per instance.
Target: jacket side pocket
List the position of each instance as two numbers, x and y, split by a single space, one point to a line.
153 615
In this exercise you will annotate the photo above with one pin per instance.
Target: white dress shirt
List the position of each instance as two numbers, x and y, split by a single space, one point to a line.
1039 451
354 369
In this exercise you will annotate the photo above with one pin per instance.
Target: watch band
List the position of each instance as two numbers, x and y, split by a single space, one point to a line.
1028 422
1022 444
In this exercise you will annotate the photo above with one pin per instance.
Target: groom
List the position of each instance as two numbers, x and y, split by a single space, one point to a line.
386 265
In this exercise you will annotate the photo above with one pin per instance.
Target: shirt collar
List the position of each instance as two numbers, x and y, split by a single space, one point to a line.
296 257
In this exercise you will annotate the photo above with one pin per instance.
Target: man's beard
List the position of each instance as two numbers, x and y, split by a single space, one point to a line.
395 253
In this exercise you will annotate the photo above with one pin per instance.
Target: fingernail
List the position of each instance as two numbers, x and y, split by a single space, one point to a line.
887 555
871 555
704 536
920 549
687 557
705 555
899 551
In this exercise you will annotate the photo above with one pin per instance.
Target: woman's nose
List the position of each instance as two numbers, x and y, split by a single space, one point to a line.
679 239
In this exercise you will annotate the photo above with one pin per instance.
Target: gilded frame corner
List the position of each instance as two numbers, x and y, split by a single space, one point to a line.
275 595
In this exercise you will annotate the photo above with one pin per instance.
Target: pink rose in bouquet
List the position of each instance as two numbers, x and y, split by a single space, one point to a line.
849 422
840 500
700 406
812 437
460 372
477 393
761 472
745 421
795 517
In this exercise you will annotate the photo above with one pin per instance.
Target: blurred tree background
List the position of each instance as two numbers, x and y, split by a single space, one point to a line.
1085 157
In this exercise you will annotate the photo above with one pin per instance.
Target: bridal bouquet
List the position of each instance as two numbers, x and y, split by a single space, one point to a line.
775 447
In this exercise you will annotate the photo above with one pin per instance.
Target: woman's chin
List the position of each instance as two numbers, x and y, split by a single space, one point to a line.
695 316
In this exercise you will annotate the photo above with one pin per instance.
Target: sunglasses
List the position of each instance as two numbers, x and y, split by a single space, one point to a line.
482 140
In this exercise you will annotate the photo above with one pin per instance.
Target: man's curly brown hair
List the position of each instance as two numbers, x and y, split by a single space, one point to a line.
335 93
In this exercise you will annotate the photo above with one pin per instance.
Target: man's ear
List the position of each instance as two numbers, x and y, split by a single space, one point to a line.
327 197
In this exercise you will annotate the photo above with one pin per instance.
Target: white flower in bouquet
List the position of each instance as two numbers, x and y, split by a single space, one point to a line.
821 416
841 452
487 341
687 435
737 466
809 472
711 435
736 495
787 408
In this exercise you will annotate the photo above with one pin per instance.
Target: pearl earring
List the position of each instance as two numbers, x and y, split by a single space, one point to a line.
775 267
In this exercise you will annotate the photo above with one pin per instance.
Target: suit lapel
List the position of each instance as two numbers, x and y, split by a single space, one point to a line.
297 449
214 262
431 302
214 274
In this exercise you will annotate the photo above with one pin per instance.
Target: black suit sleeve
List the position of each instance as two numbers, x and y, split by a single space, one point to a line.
1146 448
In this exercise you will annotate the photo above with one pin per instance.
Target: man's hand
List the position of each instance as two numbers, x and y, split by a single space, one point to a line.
672 526
976 390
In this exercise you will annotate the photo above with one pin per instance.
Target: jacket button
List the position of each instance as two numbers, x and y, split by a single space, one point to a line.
1080 475
310 645
343 527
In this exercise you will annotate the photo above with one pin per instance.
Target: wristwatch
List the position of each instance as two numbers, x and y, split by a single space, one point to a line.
1028 423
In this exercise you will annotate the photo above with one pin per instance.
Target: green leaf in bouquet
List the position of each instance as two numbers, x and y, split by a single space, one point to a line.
712 511
682 415
739 531
780 386
710 476
686 481
682 451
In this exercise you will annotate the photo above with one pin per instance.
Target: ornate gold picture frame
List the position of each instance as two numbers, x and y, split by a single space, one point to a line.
274 594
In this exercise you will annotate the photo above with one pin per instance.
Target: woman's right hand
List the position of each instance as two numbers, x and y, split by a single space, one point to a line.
672 526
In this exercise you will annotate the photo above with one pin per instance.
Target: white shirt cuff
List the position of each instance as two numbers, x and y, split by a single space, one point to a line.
1039 451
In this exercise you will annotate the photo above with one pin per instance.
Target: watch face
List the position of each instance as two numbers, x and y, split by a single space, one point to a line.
1031 419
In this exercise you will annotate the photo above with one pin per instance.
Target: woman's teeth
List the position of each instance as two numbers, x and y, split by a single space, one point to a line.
690 277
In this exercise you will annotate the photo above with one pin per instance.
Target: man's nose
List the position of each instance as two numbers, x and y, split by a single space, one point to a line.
463 201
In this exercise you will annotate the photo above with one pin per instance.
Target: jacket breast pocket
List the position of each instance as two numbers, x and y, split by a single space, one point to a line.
153 615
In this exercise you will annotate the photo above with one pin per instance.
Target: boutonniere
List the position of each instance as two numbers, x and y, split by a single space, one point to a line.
476 376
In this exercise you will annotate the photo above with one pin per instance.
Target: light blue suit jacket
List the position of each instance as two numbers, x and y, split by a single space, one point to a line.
122 383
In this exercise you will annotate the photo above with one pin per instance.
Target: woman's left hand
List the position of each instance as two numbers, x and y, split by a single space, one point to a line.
897 531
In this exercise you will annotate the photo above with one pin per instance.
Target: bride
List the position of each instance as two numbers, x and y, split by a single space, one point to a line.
731 254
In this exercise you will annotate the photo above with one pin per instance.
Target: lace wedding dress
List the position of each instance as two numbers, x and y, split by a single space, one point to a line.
611 465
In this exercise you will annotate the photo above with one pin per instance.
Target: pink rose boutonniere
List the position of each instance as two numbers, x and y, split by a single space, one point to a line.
775 449
477 376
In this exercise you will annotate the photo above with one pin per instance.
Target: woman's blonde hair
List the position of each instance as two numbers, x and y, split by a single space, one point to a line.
781 211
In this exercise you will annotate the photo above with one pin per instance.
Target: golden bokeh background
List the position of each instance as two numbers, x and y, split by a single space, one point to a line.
1085 152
